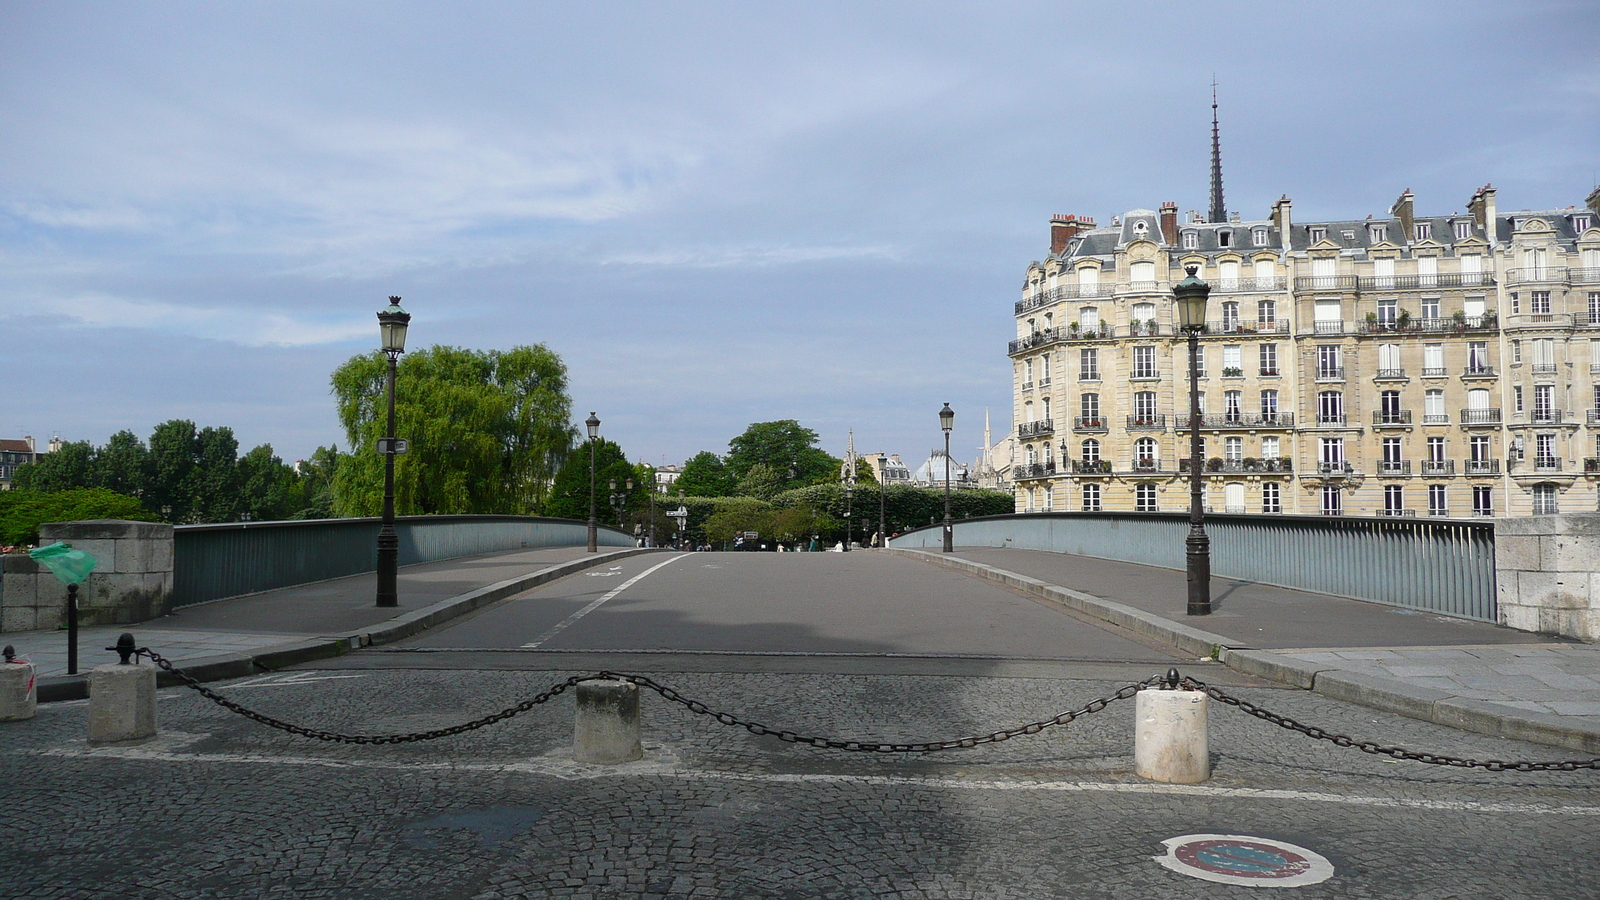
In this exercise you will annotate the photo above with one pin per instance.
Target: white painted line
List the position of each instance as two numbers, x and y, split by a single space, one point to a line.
567 769
566 623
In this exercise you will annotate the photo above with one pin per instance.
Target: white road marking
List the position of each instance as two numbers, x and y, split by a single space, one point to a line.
289 680
566 623
658 765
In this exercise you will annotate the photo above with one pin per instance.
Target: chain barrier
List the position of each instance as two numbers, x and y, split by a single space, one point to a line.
1340 740
667 693
791 737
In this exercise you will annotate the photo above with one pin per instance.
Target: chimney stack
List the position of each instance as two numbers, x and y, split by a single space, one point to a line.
1404 210
1593 201
1482 208
1169 222
1064 228
1280 218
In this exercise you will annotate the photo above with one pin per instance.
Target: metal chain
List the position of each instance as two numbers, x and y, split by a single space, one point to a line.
791 737
190 681
1432 759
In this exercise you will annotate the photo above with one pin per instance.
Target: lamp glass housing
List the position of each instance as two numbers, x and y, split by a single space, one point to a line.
947 418
1191 295
392 324
593 424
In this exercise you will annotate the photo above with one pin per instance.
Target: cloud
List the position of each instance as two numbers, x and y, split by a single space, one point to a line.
749 255
238 325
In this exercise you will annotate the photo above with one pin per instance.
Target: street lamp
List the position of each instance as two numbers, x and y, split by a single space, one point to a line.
593 424
392 324
947 421
883 488
1190 295
619 499
849 507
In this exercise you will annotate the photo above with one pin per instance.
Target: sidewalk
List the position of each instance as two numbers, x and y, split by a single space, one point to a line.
1471 675
236 636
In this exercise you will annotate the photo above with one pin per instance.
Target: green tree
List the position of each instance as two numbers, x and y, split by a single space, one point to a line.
739 515
216 484
120 465
705 475
786 446
23 511
170 478
70 467
569 497
487 430
762 482
269 490
315 484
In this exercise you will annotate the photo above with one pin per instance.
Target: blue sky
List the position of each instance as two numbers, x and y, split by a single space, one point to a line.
715 213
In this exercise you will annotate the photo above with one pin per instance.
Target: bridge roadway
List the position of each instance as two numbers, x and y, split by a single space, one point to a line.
218 806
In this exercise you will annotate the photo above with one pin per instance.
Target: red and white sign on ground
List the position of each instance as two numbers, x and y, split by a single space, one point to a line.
1246 860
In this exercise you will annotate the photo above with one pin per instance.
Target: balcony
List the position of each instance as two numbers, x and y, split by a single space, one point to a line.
1044 337
1033 470
1269 372
1147 423
1143 287
1393 467
1456 323
1145 375
1340 469
1145 465
1335 326
1543 368
1479 372
1594 417
1540 320
1546 417
1149 329
1238 420
1435 419
1091 467
1424 282
1242 285
1239 326
1044 382
1390 375
1397 512
1591 465
1038 428
1065 292
1392 417
1330 373
1538 275
1325 283
1089 424
1331 420
1480 417
1438 467
1547 463
1249 464
1027 385
1483 467
1435 372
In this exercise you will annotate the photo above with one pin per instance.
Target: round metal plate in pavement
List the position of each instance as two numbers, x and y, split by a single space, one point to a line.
1242 859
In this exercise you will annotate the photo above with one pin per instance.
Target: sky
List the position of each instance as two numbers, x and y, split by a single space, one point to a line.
715 213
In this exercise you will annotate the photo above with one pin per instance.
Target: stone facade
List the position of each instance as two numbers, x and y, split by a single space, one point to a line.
1406 365
1547 570
132 580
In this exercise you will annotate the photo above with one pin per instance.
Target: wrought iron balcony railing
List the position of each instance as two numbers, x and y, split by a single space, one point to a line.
1027 430
1330 373
1239 285
1483 467
1339 469
1033 470
1325 283
1240 326
1238 420
1478 372
1091 467
1537 274
1414 282
1457 323
1394 467
1480 417
1392 417
1265 464
1547 463
1147 423
1546 416
1390 375
1438 467
1089 423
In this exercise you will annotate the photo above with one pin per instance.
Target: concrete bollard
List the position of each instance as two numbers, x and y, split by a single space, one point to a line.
18 699
607 728
1169 740
122 703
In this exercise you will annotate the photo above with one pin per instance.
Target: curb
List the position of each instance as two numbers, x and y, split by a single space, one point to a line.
1386 694
238 665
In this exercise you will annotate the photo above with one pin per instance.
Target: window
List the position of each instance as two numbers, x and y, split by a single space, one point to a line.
1393 500
1383 272
1463 230
1228 271
1544 356
1258 236
1329 317
1233 497
1543 394
1230 315
1191 240
1330 408
1265 268
1432 359
1516 351
1091 498
1379 232
1144 498
1091 451
1089 365
1544 453
1437 505
1329 361
1477 356
1389 361
1231 363
1544 500
1089 408
1516 305
1144 314
1430 307
1580 223
1516 399
1200 362
1332 504
1046 403
1436 449
1144 362
1539 303
1433 408
1088 277
1044 371
1089 318
1482 500
1331 453
1233 449
1269 405
1269 448
1391 455
1386 312
1027 374
1145 453
1594 307
1266 313
1427 271
1271 500
1478 448
1424 231
1269 359
1144 407
1473 308
1389 408
1142 273
1232 407
1316 233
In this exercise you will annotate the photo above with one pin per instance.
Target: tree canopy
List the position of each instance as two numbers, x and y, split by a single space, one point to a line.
786 446
569 498
487 430
705 475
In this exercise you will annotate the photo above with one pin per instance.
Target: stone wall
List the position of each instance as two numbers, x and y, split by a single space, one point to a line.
132 580
1547 570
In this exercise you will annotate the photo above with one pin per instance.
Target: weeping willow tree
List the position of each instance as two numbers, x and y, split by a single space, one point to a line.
487 430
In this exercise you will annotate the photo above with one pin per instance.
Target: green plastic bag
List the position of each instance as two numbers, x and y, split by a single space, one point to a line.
69 565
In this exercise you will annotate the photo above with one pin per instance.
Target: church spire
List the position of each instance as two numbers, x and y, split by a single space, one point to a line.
1219 211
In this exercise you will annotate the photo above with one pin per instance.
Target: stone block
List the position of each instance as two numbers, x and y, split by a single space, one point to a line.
161 556
1170 742
18 589
103 551
103 529
122 703
1564 590
1570 553
19 697
1517 552
606 731
19 564
19 618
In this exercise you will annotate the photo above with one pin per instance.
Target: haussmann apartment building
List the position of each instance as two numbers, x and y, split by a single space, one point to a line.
1404 366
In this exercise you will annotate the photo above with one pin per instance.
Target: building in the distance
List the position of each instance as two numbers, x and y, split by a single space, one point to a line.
1409 364
14 453
932 472
666 476
887 468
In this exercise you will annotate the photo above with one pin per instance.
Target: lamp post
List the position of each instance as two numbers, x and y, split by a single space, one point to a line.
653 487
593 424
1191 295
392 324
849 507
947 421
883 488
619 499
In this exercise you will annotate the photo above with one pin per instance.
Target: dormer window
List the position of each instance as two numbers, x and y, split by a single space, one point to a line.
1140 228
1224 239
1379 233
1424 231
1259 236
1581 223
1191 240
1463 230
1317 233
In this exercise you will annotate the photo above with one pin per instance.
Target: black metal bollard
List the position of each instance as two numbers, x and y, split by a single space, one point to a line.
72 629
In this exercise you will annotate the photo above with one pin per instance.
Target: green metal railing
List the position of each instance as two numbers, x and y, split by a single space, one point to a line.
215 561
1443 566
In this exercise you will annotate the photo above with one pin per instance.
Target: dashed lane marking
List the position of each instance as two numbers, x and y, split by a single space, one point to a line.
566 623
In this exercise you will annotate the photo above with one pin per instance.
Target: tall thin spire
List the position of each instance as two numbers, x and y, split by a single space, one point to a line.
1219 211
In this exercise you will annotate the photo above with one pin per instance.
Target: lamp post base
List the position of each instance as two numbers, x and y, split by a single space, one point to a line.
388 566
1197 549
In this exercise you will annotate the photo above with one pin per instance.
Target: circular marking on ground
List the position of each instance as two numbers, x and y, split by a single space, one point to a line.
1246 860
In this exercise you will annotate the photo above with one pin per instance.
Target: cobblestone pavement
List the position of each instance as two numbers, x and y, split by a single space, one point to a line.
218 806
